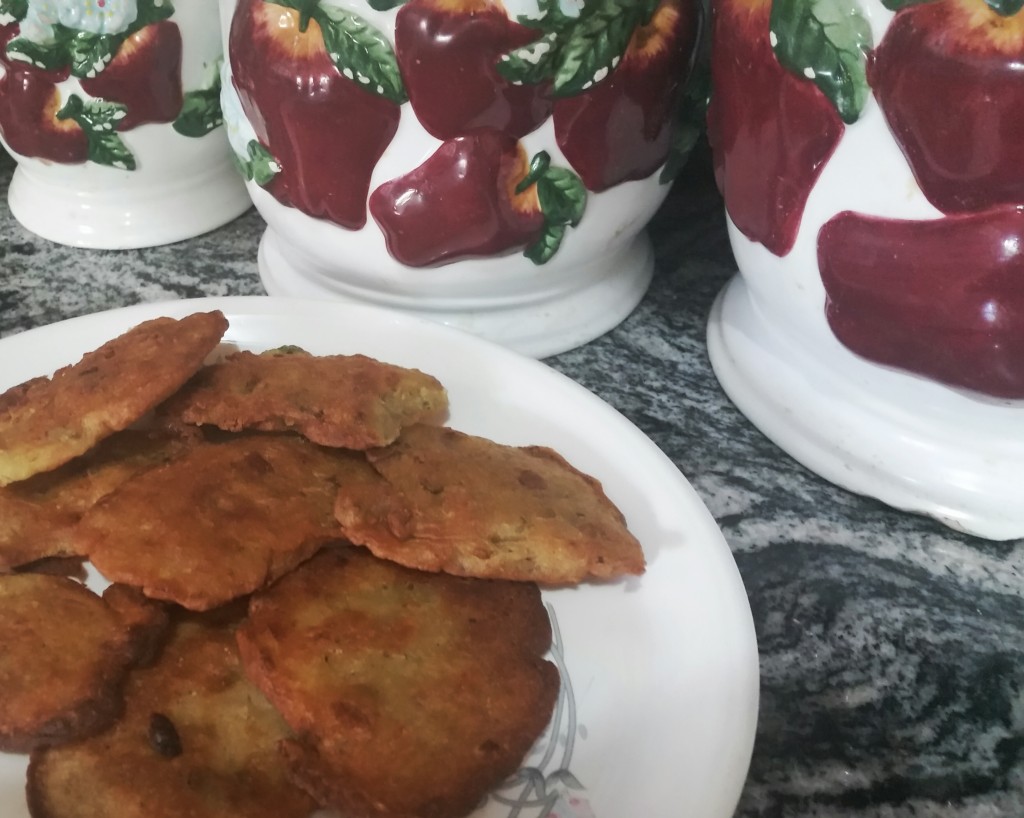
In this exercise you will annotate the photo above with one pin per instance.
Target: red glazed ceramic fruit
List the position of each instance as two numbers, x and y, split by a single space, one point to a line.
28 118
941 298
771 131
447 51
326 132
620 129
947 76
144 76
460 203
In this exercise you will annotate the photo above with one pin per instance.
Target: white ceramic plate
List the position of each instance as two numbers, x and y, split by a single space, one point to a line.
660 673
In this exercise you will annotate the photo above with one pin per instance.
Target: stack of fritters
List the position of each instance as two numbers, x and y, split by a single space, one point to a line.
392 688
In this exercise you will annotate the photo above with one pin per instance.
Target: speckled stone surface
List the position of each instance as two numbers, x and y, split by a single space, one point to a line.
892 649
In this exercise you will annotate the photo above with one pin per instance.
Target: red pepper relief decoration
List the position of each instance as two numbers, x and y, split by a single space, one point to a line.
941 297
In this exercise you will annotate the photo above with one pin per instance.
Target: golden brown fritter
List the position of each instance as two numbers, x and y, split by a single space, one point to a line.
37 514
411 694
349 401
196 739
46 422
29 532
221 521
78 485
65 654
469 506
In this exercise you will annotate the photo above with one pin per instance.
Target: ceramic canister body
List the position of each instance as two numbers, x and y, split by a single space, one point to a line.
449 156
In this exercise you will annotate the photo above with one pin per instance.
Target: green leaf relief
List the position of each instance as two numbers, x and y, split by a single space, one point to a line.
551 17
361 52
261 165
89 54
541 251
533 63
12 10
1005 8
48 56
151 11
575 53
825 41
594 44
85 52
563 200
98 119
200 113
562 196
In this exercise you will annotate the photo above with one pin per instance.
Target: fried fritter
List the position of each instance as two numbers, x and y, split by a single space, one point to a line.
411 694
30 532
46 422
349 401
221 521
77 486
37 514
65 654
469 506
196 739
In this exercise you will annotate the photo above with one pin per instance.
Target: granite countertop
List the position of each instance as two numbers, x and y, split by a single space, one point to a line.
892 649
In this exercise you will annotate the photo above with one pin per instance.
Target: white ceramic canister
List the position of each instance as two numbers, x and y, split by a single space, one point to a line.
872 165
488 166
111 109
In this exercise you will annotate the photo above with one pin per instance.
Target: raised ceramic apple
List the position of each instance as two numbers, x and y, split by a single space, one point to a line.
477 195
326 131
620 128
447 51
782 86
947 76
144 76
29 104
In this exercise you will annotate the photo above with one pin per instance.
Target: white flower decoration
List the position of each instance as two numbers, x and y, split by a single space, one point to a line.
93 16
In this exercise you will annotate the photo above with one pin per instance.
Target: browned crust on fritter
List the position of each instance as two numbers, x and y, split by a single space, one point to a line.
37 514
466 505
65 654
48 421
30 532
228 734
70 567
349 401
411 694
221 521
78 485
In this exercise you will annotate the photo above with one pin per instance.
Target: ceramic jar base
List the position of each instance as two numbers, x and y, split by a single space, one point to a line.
909 442
535 323
129 212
